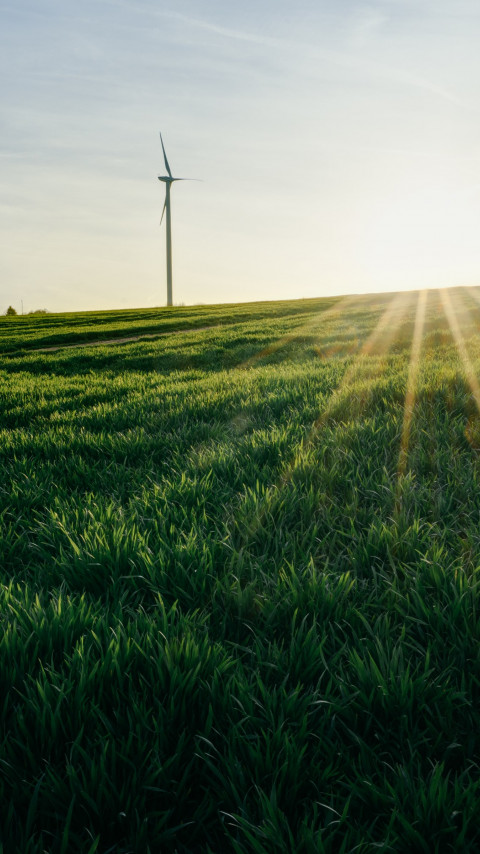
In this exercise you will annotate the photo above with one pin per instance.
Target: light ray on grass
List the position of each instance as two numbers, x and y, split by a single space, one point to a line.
466 308
313 323
475 296
412 380
452 319
377 344
364 366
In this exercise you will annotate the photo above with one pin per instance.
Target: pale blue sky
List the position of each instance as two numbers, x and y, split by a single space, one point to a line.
338 143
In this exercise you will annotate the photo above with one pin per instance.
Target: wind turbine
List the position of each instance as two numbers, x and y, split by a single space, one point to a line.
168 181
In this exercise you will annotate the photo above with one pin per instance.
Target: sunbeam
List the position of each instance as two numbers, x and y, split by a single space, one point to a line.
410 393
365 366
473 293
452 319
312 323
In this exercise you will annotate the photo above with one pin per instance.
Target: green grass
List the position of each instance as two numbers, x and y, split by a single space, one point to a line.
232 620
38 331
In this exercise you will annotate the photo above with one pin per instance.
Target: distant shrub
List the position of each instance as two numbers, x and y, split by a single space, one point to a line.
38 311
10 311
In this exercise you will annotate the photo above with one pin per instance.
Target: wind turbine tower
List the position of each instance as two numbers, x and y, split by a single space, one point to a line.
168 181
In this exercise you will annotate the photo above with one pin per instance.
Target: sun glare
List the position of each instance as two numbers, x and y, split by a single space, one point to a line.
420 235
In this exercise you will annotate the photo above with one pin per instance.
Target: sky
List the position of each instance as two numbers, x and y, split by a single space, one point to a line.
337 143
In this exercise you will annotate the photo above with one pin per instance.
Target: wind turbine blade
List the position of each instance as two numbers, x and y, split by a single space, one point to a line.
165 157
164 206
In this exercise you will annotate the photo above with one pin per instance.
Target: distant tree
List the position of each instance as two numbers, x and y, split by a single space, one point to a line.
38 311
10 311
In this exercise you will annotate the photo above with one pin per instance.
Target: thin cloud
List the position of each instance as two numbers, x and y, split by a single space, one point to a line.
370 23
228 32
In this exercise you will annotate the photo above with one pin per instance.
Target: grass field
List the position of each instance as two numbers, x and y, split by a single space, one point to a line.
240 579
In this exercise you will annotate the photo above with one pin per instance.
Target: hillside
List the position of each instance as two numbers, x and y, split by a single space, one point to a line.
239 578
